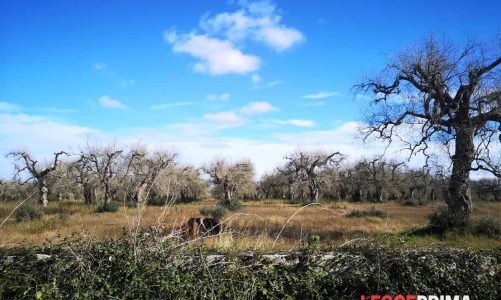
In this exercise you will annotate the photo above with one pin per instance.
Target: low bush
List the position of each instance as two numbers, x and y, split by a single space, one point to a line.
110 207
487 226
438 222
373 212
232 205
216 212
26 213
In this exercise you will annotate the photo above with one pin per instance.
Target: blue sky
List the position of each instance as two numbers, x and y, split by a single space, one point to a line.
230 78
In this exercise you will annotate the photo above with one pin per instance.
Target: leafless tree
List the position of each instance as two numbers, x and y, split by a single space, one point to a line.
144 168
189 184
25 163
231 178
84 175
102 163
308 165
443 93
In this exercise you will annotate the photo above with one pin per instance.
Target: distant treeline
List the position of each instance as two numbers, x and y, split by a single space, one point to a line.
136 175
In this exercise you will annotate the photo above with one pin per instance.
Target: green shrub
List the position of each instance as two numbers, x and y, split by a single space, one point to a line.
116 269
373 212
110 207
232 205
438 222
26 213
487 226
216 212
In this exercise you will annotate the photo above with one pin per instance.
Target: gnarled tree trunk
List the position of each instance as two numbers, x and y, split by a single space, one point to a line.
89 193
42 193
458 197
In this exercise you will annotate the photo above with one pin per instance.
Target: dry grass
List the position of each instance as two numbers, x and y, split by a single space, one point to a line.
255 226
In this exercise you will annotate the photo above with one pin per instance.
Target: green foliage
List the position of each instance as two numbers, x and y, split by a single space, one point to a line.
373 212
487 226
216 212
148 269
232 205
27 213
438 222
110 207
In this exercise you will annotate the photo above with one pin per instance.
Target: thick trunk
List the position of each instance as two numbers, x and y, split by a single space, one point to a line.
313 192
141 194
107 197
227 194
42 193
89 193
458 197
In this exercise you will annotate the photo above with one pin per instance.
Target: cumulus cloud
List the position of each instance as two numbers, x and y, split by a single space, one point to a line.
321 95
296 122
259 107
216 56
108 102
219 40
258 21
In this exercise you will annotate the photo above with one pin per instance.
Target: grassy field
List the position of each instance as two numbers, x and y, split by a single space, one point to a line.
255 226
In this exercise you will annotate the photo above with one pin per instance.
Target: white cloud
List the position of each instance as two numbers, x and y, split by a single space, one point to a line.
216 57
223 117
39 135
280 37
162 106
9 107
259 107
108 102
321 95
259 21
219 41
256 78
195 142
296 122
218 97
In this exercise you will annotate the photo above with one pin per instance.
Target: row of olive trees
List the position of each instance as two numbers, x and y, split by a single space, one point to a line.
305 176
135 175
138 176
104 171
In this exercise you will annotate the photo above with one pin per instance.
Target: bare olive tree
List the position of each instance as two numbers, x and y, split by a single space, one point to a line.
308 166
144 168
40 174
231 178
441 92
84 175
102 163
